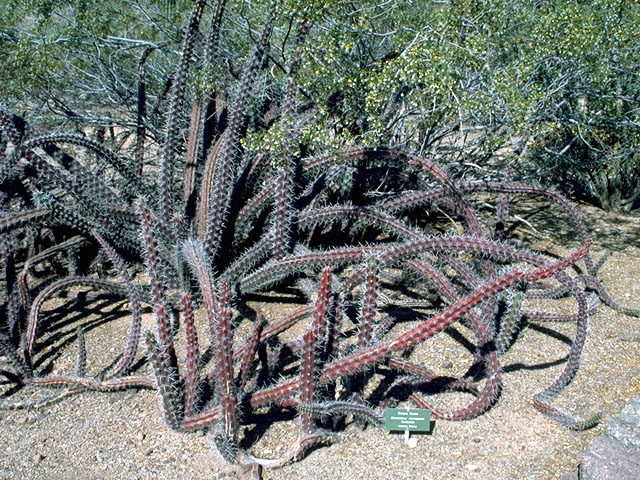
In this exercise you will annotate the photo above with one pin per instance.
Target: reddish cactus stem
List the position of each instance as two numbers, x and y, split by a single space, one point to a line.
193 353
165 339
276 394
203 420
222 336
312 340
368 311
484 335
92 384
249 353
277 327
359 360
167 383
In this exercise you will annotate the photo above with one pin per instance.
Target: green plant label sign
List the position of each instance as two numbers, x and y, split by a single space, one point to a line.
412 420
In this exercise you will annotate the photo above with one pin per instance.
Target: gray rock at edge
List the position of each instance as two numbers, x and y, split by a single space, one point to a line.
615 455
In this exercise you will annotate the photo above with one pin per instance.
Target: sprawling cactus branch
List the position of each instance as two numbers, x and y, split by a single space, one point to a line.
352 253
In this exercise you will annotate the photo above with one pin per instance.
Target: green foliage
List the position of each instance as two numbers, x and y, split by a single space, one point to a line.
80 57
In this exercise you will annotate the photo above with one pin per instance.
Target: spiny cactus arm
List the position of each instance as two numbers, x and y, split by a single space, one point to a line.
222 338
159 304
464 271
10 288
443 319
20 219
136 310
366 216
206 183
410 199
249 353
224 168
193 353
82 192
202 420
63 214
62 283
8 349
283 211
562 417
249 259
141 113
313 340
81 364
273 329
202 132
342 408
165 198
166 379
540 400
509 321
334 345
255 203
40 257
277 269
284 393
114 384
12 125
199 263
50 142
283 195
192 155
366 321
502 210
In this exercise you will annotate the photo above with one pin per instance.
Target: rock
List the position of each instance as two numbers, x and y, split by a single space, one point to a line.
607 459
570 476
614 455
252 471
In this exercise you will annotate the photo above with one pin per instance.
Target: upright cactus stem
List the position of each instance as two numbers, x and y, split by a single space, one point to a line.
166 198
313 342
